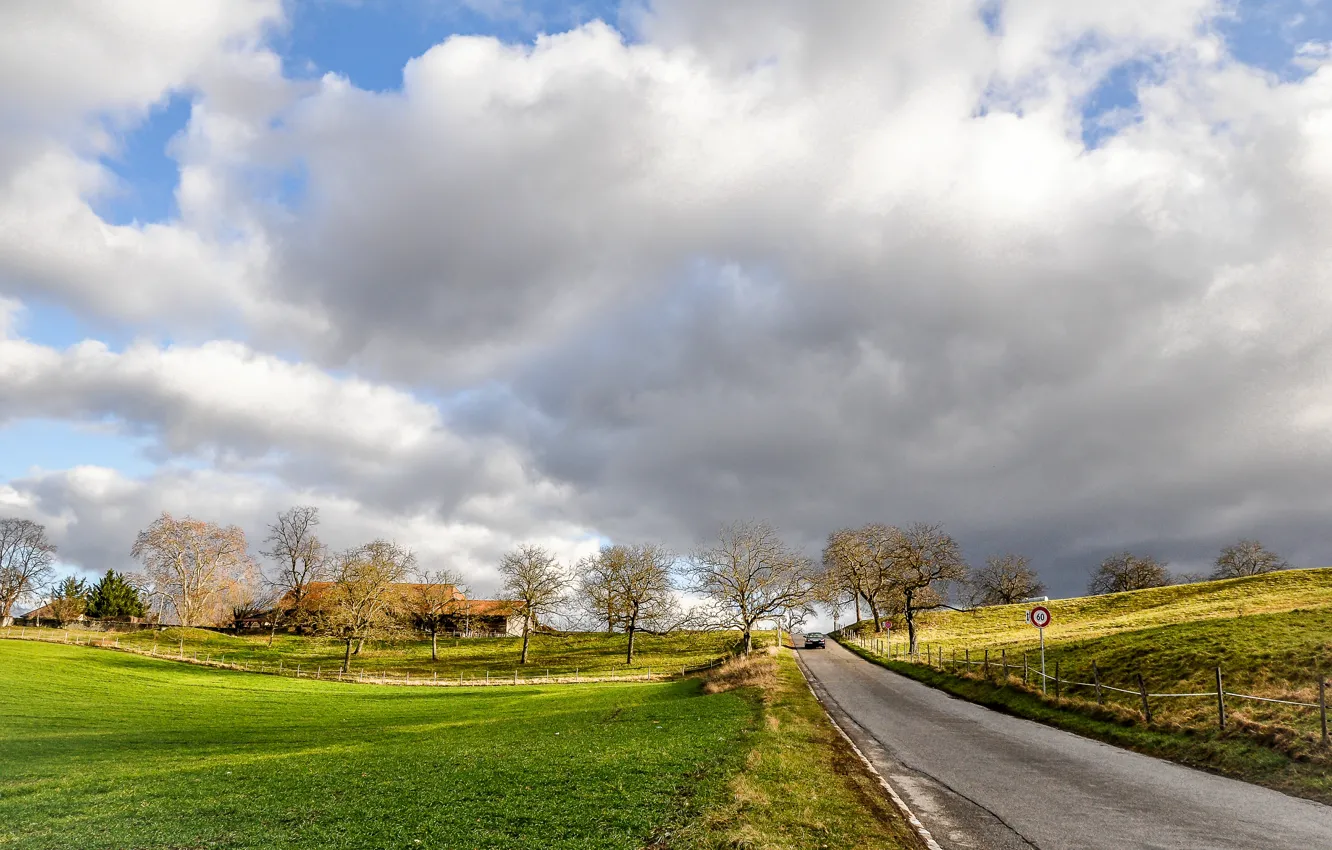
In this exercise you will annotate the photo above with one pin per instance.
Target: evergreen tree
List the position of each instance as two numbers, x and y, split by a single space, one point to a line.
113 596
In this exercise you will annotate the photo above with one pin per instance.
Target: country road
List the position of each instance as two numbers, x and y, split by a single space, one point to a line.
980 779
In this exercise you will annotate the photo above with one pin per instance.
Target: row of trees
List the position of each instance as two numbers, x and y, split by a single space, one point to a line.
203 573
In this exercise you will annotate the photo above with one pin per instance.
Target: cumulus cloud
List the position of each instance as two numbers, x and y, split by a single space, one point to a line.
817 263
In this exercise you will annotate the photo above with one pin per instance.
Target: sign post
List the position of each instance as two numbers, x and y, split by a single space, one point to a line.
1040 618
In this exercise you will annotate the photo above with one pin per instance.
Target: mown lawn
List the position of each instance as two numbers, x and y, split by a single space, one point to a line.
561 654
112 750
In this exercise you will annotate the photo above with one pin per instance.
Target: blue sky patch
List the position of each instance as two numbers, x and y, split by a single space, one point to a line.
56 445
147 174
370 42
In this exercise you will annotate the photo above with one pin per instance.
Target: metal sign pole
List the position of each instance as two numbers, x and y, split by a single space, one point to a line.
1042 631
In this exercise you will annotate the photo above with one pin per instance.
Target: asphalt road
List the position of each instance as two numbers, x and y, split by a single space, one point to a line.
980 779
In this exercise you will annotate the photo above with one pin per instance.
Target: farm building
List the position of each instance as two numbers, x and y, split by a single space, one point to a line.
463 617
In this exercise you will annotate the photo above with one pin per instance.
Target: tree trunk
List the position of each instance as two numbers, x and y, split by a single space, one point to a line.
911 624
272 631
749 640
857 597
526 637
434 645
360 642
633 628
346 656
874 612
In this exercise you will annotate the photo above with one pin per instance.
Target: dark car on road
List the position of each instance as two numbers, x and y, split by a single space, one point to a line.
814 639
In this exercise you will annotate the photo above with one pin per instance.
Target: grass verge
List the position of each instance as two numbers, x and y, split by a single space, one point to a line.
112 750
802 786
1235 752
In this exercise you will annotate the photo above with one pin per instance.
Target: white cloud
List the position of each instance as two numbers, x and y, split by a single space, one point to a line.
821 264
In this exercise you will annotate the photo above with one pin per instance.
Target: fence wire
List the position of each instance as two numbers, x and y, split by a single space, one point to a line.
916 658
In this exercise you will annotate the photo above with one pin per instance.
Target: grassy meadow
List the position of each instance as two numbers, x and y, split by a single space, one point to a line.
112 750
589 654
116 750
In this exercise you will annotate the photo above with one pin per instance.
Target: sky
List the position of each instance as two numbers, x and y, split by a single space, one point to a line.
467 274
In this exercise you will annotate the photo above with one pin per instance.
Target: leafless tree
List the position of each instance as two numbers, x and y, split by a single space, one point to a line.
924 559
434 601
642 584
359 603
301 559
27 561
750 575
199 566
597 593
1247 558
537 583
69 599
864 558
250 606
1005 579
1127 571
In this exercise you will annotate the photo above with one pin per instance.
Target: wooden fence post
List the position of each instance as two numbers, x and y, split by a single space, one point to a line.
987 663
1322 705
1003 663
1220 700
1142 689
1096 680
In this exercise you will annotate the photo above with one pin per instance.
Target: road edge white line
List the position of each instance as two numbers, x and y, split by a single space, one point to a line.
924 833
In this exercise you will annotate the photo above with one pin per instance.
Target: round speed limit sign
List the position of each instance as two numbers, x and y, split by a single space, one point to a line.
1039 616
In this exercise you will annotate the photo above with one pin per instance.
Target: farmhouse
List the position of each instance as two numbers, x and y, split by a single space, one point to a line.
45 615
462 617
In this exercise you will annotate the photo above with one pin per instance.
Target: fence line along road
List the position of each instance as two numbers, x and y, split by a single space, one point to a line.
882 648
364 676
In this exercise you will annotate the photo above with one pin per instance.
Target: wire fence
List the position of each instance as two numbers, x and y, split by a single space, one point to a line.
364 675
933 656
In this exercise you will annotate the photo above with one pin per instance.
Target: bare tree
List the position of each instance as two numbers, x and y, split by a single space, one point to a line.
359 603
1127 571
251 606
198 566
301 558
435 601
924 559
750 575
643 587
1247 558
1005 579
537 583
596 592
26 563
864 557
69 600
844 569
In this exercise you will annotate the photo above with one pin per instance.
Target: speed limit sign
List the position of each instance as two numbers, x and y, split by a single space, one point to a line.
1039 616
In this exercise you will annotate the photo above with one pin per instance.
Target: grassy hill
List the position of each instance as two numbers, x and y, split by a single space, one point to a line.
1098 616
1271 636
561 654
114 750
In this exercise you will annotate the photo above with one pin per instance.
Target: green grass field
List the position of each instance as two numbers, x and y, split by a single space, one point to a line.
562 654
112 750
